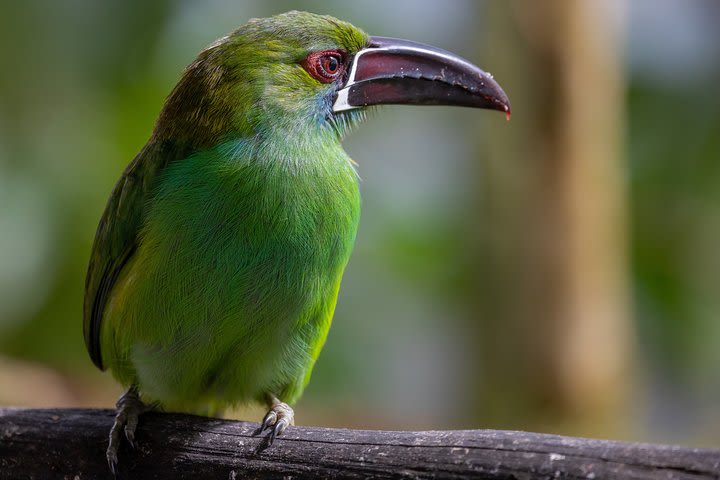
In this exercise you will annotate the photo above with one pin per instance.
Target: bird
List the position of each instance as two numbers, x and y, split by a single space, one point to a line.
217 262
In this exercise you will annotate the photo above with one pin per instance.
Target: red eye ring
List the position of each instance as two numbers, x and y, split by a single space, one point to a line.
325 66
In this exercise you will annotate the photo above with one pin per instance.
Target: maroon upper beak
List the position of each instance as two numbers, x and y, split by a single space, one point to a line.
393 71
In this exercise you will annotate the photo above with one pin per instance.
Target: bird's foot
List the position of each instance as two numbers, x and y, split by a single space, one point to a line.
278 418
129 408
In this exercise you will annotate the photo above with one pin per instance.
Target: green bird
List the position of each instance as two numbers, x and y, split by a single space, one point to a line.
217 261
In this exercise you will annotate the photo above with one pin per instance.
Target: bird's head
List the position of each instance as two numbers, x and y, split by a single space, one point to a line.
299 71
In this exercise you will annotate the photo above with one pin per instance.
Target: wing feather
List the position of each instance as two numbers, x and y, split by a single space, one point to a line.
118 232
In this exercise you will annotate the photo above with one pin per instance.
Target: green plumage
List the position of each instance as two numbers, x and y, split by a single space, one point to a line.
217 262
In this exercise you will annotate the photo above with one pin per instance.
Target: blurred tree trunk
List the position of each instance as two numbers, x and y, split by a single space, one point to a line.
554 323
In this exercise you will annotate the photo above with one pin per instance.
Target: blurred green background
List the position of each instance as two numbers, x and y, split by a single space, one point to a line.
560 272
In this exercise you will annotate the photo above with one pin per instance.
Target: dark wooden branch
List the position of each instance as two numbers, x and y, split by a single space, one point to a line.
70 444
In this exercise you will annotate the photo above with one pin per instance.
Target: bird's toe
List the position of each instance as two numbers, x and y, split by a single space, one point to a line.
278 418
129 408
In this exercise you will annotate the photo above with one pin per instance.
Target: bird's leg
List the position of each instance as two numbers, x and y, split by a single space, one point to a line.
278 418
129 407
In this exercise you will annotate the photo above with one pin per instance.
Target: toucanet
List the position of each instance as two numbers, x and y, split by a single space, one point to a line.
217 261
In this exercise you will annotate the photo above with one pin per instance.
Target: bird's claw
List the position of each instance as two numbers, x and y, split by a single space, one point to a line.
129 407
278 418
270 419
112 460
278 429
130 436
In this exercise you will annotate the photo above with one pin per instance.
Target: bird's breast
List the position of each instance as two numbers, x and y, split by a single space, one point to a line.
273 235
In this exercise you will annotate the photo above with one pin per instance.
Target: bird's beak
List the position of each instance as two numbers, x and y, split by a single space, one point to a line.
393 71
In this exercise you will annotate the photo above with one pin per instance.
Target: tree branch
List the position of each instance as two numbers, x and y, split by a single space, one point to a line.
70 444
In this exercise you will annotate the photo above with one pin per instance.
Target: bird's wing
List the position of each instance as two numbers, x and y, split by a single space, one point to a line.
116 238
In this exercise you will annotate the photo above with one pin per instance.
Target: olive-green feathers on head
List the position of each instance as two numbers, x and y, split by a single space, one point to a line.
253 80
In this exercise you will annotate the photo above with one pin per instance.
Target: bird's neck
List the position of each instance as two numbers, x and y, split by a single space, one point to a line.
295 150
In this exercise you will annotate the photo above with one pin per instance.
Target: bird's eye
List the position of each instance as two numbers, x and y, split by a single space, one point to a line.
325 66
330 64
